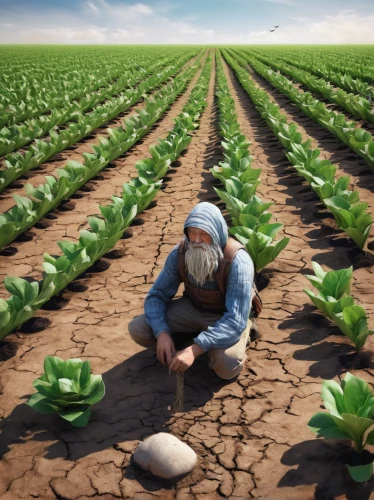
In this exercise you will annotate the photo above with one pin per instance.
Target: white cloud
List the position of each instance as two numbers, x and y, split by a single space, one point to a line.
125 12
8 25
188 31
346 27
120 34
92 6
141 9
299 19
64 34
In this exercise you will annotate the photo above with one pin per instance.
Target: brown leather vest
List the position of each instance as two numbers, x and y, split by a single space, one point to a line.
212 301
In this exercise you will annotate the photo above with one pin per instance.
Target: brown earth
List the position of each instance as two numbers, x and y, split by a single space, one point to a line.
250 434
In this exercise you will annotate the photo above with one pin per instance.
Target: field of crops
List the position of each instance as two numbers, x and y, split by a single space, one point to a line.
103 153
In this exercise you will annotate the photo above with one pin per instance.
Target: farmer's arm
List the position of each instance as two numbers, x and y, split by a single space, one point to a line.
228 329
163 290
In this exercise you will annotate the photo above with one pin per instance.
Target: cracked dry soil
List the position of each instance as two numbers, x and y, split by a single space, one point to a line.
250 434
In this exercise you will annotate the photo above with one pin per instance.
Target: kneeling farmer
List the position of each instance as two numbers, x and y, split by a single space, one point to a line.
218 278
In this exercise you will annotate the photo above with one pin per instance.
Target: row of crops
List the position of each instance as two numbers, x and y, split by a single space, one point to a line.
351 403
72 104
137 194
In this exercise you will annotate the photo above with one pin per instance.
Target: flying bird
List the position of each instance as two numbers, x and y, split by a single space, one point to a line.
277 26
271 31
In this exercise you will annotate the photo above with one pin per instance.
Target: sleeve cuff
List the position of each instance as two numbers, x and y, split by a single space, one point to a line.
200 344
161 329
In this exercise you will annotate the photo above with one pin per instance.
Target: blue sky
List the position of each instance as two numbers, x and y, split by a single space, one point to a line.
192 21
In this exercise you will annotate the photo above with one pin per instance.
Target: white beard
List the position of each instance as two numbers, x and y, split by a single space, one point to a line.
202 260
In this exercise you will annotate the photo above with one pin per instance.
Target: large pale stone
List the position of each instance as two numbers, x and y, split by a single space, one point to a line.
165 456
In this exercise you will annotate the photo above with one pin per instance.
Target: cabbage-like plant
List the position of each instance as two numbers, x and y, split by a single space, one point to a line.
333 289
149 169
328 189
141 191
68 389
351 217
237 148
238 209
352 321
259 243
351 416
242 191
233 168
334 301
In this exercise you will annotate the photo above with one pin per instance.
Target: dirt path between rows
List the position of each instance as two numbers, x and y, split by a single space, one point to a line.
250 434
37 175
67 219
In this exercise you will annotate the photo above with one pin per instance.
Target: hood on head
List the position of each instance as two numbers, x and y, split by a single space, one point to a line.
208 217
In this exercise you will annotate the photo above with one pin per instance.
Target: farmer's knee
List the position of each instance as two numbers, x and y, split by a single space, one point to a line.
140 332
227 367
136 326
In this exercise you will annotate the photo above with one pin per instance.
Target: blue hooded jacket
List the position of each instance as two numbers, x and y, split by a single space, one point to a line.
228 328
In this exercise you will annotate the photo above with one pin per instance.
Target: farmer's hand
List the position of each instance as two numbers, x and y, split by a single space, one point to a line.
165 348
184 359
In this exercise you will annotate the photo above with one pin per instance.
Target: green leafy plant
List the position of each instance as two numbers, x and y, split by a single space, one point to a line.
141 191
352 321
242 191
335 301
351 416
333 289
351 217
68 389
241 169
259 243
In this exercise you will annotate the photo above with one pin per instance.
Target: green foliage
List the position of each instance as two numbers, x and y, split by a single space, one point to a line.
105 231
350 213
260 243
141 192
351 416
75 174
26 297
345 130
68 389
352 321
248 213
351 217
333 289
335 301
355 104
